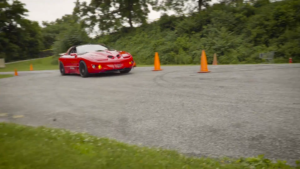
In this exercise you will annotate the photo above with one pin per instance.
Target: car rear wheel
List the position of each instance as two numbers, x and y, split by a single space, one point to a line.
83 69
62 68
126 70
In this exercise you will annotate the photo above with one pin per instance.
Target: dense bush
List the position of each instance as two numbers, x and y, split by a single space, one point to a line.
236 33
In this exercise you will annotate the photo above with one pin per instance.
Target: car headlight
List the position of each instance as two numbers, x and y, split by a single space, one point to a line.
93 66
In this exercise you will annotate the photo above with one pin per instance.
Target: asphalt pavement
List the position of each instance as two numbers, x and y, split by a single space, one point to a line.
234 111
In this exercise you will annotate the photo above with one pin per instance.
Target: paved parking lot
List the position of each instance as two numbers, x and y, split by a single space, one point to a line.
236 110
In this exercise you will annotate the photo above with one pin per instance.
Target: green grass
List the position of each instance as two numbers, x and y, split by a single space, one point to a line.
6 76
46 148
38 64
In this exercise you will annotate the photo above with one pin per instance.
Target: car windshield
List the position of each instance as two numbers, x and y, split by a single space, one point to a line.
89 48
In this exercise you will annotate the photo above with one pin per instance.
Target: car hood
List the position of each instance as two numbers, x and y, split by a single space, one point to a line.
101 55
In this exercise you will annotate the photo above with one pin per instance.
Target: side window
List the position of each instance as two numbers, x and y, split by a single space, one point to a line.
73 50
70 51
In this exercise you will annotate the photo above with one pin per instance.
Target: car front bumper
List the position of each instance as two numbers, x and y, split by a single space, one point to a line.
110 67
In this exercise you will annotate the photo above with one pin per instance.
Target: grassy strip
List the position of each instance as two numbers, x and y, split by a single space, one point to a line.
38 64
6 76
41 147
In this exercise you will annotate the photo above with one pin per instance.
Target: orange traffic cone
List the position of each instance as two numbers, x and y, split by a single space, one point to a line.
203 68
31 67
215 62
156 63
16 73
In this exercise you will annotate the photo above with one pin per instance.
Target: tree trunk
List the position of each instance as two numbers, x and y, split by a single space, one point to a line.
130 20
200 3
130 15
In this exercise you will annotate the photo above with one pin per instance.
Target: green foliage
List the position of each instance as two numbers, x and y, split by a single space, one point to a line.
166 5
71 36
113 14
42 147
237 32
63 33
19 38
260 162
179 6
52 29
22 39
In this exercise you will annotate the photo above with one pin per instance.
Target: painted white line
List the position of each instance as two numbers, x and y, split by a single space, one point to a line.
3 114
18 116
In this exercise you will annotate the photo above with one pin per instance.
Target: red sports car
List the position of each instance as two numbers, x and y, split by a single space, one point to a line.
94 58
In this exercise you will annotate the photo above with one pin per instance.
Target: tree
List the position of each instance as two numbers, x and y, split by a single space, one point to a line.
19 38
63 33
202 3
179 6
72 35
52 29
111 15
11 14
165 5
237 32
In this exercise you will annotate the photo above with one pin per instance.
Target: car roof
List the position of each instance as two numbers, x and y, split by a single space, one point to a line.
89 44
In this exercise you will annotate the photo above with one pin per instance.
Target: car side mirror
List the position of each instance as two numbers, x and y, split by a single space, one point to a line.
73 54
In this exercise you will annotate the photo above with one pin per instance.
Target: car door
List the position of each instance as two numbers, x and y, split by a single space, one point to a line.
70 60
74 61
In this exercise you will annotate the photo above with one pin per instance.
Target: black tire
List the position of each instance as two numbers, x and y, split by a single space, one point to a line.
83 69
126 70
62 68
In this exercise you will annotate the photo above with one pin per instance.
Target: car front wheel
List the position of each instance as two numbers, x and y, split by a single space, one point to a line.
62 68
83 69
